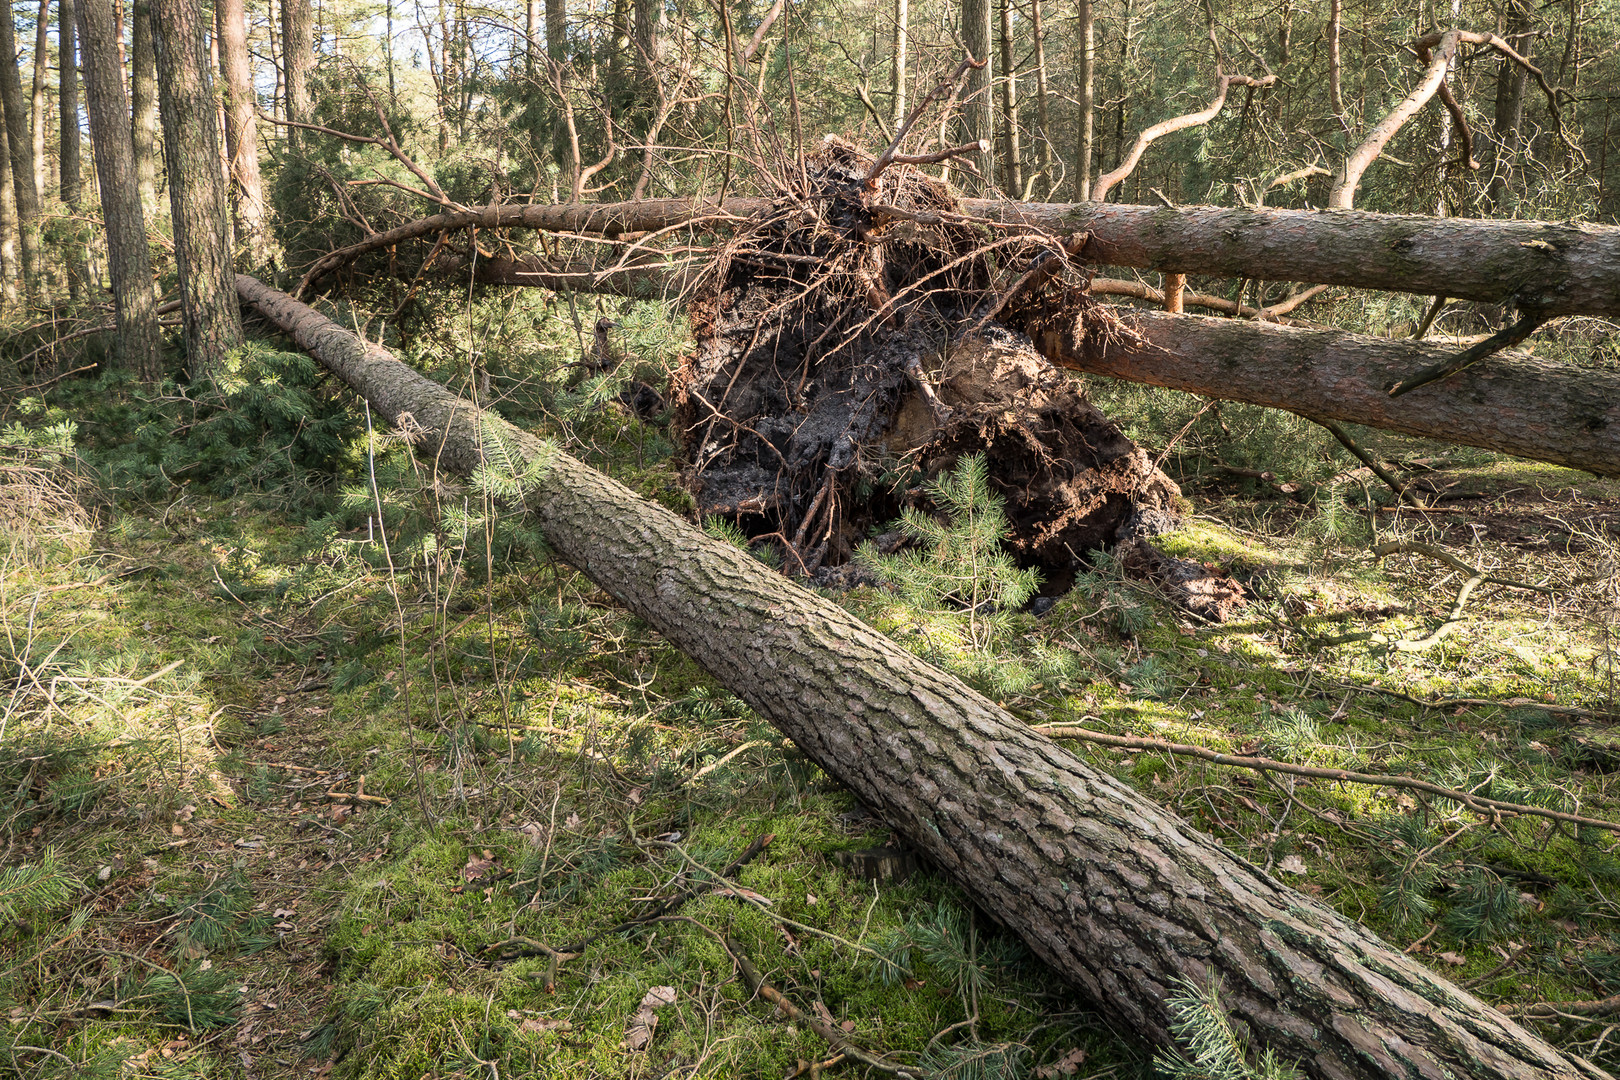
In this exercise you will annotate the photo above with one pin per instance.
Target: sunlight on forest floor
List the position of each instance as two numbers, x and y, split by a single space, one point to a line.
323 797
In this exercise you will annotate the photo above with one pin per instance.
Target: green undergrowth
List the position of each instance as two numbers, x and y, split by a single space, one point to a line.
313 760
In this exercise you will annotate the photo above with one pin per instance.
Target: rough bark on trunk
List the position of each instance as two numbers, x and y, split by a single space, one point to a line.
1512 403
1118 895
298 58
1085 75
21 144
144 102
10 267
1552 268
241 133
36 101
978 110
129 263
69 164
202 247
68 104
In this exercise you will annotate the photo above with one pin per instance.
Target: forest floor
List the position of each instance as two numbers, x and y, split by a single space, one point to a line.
286 794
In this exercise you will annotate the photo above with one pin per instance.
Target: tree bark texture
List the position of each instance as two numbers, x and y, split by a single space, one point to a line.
69 163
1117 894
21 144
129 263
241 133
36 102
978 108
68 105
1085 75
202 242
1551 268
10 265
144 102
1511 402
298 59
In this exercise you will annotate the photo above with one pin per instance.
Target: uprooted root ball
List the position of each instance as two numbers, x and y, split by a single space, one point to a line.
847 353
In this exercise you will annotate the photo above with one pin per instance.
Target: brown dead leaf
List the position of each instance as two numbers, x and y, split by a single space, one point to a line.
1067 1065
538 1024
639 1031
1451 958
477 867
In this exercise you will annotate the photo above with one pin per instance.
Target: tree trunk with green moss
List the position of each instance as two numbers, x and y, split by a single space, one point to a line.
1118 895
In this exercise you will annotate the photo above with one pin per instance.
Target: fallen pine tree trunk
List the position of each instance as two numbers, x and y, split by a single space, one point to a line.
1549 268
1115 893
1512 402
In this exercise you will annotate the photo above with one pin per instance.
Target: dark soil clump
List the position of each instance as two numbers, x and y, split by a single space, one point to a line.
846 354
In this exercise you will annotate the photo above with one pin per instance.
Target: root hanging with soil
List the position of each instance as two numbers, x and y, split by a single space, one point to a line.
855 342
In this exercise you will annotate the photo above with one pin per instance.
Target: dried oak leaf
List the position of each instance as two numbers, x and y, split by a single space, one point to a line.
639 1031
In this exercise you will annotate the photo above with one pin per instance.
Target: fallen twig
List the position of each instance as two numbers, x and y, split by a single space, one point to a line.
1402 492
1494 809
837 1039
1490 346
358 796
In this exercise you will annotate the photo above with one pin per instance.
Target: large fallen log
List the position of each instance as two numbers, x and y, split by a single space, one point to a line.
1115 893
1513 403
1551 268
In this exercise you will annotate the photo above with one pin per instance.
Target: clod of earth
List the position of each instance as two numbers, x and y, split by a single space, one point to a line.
847 354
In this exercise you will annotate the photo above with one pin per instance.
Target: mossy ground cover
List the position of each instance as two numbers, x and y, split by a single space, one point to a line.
309 769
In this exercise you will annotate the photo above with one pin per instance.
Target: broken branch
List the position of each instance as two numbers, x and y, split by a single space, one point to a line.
1107 181
1492 809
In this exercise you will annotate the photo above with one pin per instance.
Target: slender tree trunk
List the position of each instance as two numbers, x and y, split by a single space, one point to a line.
1043 117
241 134
1011 168
129 263
21 144
68 103
143 100
1118 895
649 52
978 107
37 112
897 70
72 187
1511 80
298 60
1335 67
202 248
1088 118
11 274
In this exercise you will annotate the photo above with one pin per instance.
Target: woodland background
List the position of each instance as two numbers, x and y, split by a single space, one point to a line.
303 750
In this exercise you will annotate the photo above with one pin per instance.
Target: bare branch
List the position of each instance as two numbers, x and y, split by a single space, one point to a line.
1107 181
1343 193
887 158
1494 809
764 27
